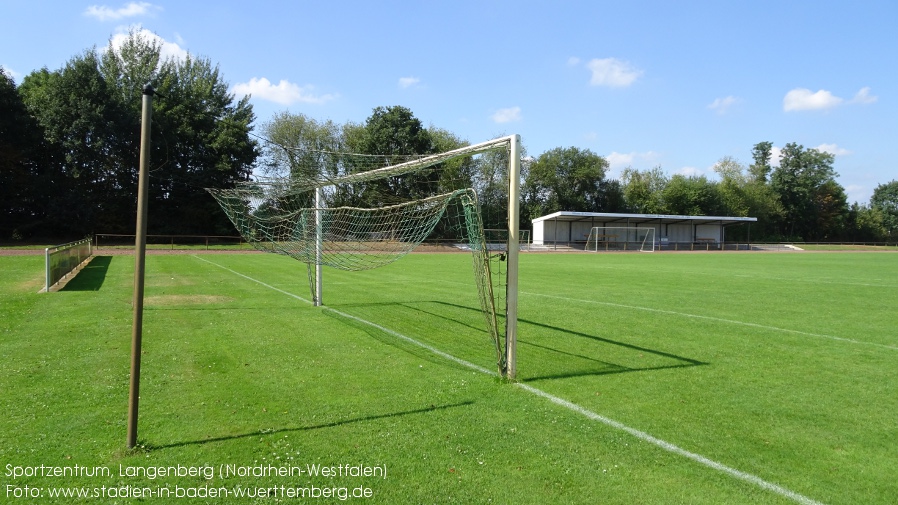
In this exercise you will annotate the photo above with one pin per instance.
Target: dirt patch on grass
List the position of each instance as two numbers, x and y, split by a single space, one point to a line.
172 300
35 284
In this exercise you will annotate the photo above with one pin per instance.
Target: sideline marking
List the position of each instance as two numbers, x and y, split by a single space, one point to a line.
667 446
712 318
269 286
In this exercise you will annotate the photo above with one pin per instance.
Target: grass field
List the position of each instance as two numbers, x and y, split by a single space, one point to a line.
643 379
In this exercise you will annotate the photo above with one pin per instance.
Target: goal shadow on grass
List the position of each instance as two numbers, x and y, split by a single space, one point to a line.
551 361
549 352
577 364
91 276
374 327
259 433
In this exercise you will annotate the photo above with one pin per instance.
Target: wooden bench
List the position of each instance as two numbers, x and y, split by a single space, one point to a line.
706 242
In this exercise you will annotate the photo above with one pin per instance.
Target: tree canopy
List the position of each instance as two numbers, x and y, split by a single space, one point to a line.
88 116
566 179
805 184
885 200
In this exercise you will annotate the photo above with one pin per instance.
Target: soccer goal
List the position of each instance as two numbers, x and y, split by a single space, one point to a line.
357 212
621 238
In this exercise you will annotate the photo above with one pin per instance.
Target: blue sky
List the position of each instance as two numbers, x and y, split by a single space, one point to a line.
675 84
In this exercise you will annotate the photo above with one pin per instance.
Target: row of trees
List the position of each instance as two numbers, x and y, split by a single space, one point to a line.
69 157
797 200
69 144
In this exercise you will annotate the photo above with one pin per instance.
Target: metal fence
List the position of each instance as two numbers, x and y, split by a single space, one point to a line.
61 260
713 245
171 242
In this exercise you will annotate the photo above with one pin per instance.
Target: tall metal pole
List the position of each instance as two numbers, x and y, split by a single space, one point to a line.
140 249
511 289
318 246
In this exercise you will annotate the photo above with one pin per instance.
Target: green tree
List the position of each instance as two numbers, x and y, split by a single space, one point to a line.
13 152
744 194
22 201
805 185
205 143
565 179
760 169
298 142
643 190
85 131
733 181
830 210
865 224
885 200
691 196
90 115
394 131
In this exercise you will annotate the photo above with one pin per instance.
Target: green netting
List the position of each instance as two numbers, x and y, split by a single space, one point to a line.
348 238
371 211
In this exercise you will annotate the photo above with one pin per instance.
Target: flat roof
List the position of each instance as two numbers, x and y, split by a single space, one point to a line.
613 217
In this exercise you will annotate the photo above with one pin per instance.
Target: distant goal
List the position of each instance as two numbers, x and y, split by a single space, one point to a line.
621 238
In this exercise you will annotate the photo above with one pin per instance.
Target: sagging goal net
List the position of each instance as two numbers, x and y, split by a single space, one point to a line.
620 238
357 212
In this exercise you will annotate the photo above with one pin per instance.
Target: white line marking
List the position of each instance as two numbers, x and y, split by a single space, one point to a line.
711 318
434 350
667 446
269 286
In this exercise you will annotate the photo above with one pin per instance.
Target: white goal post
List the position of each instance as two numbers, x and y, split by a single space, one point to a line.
621 238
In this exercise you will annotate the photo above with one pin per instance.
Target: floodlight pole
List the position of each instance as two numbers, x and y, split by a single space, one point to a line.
511 289
140 249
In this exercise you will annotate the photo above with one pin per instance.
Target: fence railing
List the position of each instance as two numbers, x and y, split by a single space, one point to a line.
236 242
172 242
713 245
63 259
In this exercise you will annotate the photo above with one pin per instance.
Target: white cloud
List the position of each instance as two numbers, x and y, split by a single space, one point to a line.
690 171
612 72
776 154
12 73
833 149
284 92
864 97
168 50
407 82
805 99
619 161
507 115
857 193
573 61
104 13
722 105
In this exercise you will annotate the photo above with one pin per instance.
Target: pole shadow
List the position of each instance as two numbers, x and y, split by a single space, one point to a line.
432 408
